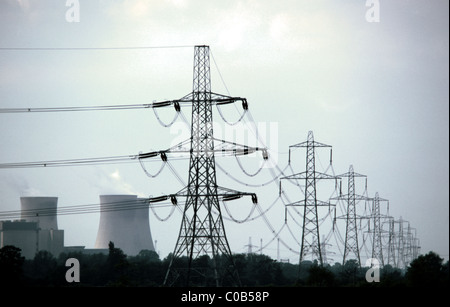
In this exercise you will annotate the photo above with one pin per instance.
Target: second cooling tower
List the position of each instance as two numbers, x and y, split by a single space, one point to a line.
124 221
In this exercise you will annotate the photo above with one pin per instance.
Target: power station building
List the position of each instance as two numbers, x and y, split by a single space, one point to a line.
124 220
36 230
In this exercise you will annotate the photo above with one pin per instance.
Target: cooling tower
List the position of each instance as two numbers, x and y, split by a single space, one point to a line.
41 210
124 221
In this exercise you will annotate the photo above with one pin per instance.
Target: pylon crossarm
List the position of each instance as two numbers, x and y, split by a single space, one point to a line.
226 147
352 196
217 99
223 194
352 174
220 99
309 143
318 203
358 217
304 175
220 147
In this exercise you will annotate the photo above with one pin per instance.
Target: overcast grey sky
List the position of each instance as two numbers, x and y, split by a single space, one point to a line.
378 92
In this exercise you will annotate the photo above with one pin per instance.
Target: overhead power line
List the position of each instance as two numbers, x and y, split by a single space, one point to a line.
55 163
84 209
90 48
187 100
90 108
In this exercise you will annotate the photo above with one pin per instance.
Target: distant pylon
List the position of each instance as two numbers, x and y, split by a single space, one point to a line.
401 244
391 243
416 247
377 245
325 253
409 250
310 241
351 245
249 246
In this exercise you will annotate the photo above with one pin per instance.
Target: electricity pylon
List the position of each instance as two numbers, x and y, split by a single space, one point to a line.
377 245
401 234
202 230
407 243
325 258
391 242
351 230
415 245
412 245
310 242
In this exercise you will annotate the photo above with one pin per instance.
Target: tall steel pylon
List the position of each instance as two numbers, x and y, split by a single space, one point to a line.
377 245
415 245
310 241
391 260
407 243
401 243
351 245
202 230
325 254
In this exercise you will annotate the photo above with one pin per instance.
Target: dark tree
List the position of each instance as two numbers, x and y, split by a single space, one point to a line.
147 256
116 267
260 270
146 269
391 277
350 273
427 271
320 276
11 262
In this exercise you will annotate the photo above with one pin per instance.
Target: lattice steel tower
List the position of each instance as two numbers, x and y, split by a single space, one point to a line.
391 260
377 245
310 242
401 244
202 230
351 230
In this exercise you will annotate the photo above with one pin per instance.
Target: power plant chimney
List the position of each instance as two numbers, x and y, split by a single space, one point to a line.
124 221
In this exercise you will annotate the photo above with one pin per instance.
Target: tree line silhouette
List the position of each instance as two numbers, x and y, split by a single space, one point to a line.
147 270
